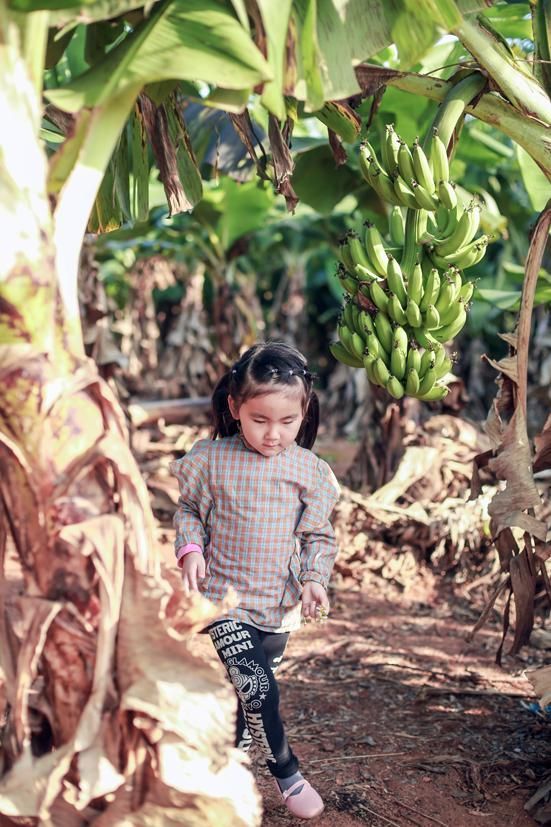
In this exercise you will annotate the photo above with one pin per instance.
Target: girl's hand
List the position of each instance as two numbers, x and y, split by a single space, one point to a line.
314 597
193 569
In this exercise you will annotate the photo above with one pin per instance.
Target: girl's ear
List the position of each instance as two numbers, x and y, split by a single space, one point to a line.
234 409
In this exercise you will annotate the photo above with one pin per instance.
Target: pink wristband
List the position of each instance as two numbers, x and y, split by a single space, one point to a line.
183 550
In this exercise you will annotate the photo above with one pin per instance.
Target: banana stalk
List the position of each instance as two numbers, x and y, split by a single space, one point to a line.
517 84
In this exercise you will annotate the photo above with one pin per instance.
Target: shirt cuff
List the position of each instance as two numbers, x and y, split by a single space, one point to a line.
183 550
314 576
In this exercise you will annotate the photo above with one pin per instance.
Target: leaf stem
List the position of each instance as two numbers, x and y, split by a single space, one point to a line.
81 186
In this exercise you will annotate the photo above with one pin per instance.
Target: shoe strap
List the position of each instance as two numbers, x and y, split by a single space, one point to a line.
300 783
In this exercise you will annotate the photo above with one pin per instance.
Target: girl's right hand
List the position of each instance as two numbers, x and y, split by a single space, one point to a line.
193 569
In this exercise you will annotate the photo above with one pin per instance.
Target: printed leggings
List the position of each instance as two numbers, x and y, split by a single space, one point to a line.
251 657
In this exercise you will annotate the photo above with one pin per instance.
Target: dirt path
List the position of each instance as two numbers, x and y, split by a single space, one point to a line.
398 721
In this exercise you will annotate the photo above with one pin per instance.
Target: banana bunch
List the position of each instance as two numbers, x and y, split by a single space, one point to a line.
406 296
408 177
396 327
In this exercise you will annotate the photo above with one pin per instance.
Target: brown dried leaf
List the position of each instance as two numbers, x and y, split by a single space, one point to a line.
541 681
416 463
542 459
339 152
372 78
508 366
513 464
523 582
283 163
189 702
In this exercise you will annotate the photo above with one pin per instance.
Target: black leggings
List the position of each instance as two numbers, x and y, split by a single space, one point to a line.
251 657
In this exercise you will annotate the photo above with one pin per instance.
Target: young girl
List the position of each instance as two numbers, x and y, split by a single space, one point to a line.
254 513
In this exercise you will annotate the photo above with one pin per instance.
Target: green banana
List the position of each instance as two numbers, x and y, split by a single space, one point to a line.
428 360
396 226
424 199
365 322
395 280
412 382
421 229
345 336
446 296
383 185
348 316
345 255
381 372
357 252
366 274
471 254
423 173
440 355
447 195
398 362
413 360
404 193
365 158
455 275
435 394
431 289
394 387
369 363
348 283
383 329
427 381
432 318
463 233
452 312
400 339
358 345
413 314
415 284
450 331
444 368
343 355
424 338
439 158
374 347
405 162
375 248
467 291
378 296
395 310
389 148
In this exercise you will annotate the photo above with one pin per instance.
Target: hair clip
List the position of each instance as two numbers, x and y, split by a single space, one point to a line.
274 371
291 372
234 371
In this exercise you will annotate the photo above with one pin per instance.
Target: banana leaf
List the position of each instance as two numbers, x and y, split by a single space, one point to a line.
319 183
204 40
63 161
106 213
275 19
68 13
140 166
537 185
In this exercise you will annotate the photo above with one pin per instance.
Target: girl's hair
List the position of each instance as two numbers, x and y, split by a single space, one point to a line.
266 367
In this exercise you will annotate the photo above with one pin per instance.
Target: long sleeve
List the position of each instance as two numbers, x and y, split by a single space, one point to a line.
317 538
195 501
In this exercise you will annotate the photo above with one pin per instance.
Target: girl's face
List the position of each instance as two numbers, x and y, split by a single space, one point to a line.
271 422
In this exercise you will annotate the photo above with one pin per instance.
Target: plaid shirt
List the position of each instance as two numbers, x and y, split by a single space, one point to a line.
263 523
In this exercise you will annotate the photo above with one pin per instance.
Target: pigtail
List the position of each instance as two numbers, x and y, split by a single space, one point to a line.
223 422
310 424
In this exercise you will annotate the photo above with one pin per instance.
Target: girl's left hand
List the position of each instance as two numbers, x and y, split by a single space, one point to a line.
313 598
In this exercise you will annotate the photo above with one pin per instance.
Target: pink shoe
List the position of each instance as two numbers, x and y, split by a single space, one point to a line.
305 804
